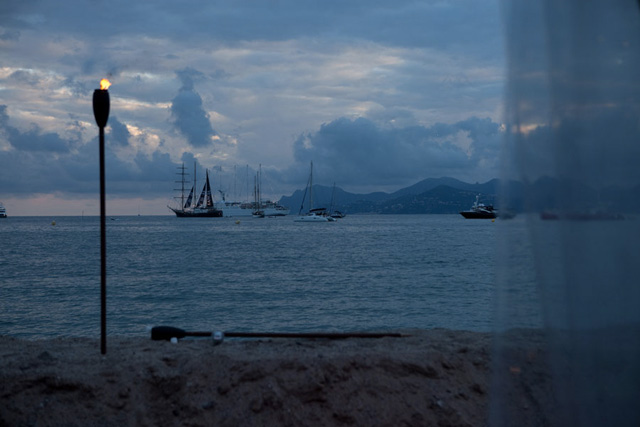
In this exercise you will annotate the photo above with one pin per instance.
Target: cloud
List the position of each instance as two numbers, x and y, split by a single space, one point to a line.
361 153
376 93
10 35
119 134
33 139
39 162
189 117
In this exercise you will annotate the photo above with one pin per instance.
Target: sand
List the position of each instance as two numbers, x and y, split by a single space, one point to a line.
433 377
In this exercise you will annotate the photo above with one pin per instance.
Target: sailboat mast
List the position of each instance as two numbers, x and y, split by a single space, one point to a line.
181 186
311 188
255 193
259 186
195 186
181 172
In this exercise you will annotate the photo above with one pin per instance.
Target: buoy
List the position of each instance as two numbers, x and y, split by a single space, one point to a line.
237 221
53 223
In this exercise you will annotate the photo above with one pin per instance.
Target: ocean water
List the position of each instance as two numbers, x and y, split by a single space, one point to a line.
361 273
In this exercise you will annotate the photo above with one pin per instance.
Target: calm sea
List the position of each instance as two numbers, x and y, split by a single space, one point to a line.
360 273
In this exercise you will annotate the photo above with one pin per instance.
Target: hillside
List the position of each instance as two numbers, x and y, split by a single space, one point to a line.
449 195
435 196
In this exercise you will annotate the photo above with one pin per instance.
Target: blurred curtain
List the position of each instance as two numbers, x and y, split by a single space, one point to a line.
573 147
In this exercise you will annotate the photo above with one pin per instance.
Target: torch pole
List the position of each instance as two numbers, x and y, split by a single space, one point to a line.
101 113
103 252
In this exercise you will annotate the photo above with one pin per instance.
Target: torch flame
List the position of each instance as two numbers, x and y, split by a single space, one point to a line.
104 84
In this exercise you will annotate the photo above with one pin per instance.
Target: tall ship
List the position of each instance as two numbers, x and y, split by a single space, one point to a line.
3 211
204 207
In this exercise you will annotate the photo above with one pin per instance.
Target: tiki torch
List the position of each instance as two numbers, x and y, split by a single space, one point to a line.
101 114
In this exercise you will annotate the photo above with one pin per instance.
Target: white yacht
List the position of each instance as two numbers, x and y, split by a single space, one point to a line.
246 209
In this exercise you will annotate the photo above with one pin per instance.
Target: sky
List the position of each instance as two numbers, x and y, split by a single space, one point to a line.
379 95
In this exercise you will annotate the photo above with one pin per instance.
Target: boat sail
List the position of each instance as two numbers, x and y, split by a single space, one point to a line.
314 215
204 208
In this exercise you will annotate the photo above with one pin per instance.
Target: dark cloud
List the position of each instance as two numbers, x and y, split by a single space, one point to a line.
189 117
23 76
10 35
145 176
45 162
33 139
119 134
39 162
415 23
77 88
359 152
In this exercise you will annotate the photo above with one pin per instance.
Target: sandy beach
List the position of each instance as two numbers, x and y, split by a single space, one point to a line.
432 377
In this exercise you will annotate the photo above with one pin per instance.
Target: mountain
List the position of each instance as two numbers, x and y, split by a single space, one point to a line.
439 200
431 183
432 195
449 195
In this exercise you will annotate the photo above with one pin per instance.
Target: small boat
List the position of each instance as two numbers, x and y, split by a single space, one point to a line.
480 211
314 215
204 208
3 211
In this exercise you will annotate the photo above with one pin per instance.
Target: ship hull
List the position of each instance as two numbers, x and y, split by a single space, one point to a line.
208 213
478 215
231 209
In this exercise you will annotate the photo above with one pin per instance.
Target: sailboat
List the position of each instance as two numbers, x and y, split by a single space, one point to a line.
314 215
203 208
